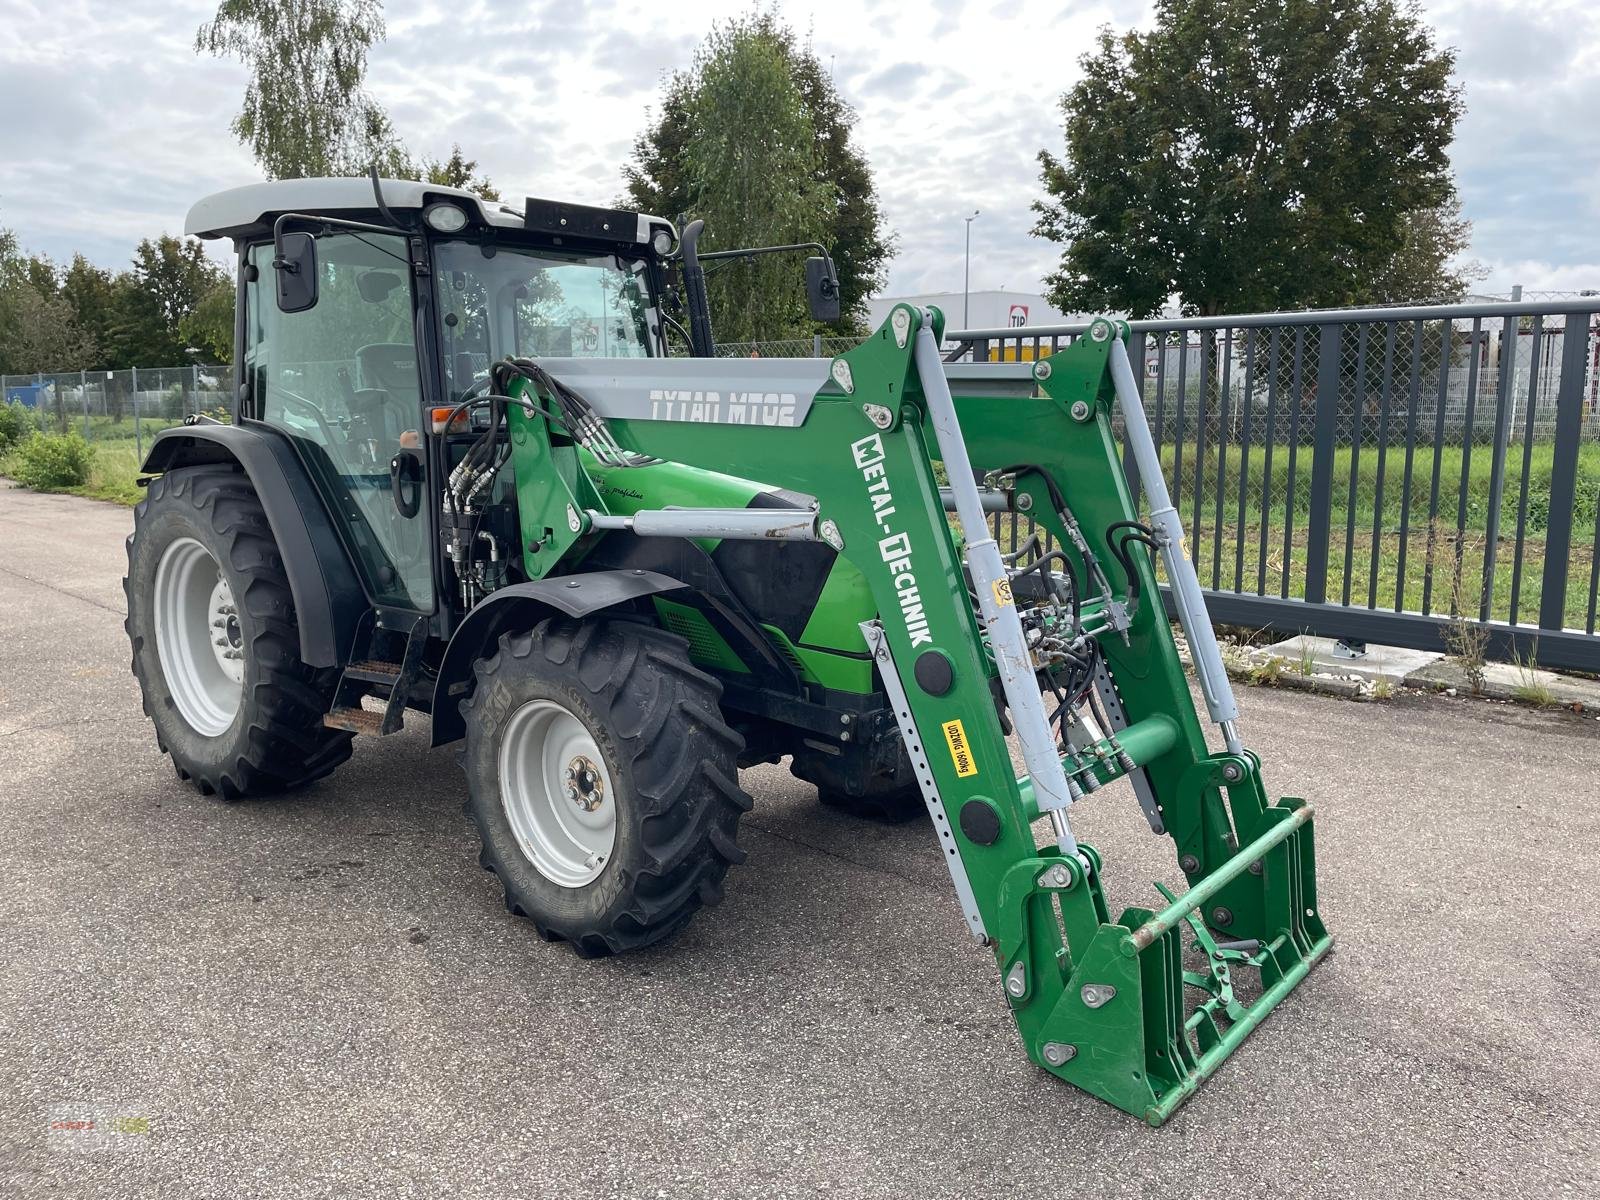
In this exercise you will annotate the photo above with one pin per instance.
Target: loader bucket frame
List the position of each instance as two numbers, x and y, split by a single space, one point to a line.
1105 1004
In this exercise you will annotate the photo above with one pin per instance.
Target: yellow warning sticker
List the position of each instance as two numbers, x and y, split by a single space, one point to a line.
1002 592
956 738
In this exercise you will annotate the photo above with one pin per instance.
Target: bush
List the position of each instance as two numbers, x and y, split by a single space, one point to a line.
49 461
16 423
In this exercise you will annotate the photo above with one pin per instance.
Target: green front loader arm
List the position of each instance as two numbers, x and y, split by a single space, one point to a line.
1103 1003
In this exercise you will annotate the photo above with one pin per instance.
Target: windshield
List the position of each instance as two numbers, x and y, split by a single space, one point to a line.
498 300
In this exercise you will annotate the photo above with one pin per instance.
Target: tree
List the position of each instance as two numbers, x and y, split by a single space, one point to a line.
100 303
755 140
38 329
304 112
1249 155
1427 267
456 171
208 327
159 296
43 334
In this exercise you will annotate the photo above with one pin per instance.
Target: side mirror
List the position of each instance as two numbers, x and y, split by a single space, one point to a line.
822 289
295 265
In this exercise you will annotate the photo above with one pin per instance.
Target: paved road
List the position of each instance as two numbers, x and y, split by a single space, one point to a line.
323 996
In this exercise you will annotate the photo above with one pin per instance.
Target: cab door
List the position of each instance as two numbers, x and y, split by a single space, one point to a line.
341 380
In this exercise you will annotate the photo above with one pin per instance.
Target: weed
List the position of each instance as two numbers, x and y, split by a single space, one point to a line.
51 461
1465 638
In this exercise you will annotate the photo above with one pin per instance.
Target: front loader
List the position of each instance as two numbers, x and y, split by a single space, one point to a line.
468 477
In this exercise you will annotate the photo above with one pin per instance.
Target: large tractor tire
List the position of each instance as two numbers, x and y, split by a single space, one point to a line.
603 781
215 644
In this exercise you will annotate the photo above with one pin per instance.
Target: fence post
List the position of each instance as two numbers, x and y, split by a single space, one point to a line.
194 388
133 398
816 345
1130 468
83 390
1564 471
1319 520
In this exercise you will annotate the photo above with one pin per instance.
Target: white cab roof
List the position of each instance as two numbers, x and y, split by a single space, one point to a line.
242 208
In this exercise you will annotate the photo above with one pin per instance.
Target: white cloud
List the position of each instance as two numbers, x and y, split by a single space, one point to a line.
112 125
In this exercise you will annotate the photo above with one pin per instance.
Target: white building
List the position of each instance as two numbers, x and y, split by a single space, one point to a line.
986 309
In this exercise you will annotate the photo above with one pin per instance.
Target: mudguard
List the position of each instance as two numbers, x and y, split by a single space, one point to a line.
328 597
521 606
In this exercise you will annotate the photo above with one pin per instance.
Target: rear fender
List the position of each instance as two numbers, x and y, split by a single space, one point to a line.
329 601
520 607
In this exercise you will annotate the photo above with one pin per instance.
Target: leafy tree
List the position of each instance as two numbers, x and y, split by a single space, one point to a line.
755 139
38 329
1428 266
42 334
208 326
100 302
1250 155
457 171
169 279
304 112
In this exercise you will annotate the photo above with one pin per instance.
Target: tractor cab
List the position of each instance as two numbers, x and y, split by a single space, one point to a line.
368 310
369 314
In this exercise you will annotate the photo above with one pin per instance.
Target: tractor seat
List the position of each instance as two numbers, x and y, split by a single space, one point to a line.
391 367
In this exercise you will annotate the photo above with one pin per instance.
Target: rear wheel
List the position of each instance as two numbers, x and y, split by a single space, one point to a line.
869 782
603 781
215 644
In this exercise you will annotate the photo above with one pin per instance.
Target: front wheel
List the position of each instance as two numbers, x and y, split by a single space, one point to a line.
603 781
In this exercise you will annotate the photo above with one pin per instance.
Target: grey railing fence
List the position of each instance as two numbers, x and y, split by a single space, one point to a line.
1379 474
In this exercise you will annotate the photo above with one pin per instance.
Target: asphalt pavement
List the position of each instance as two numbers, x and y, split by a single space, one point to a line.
322 995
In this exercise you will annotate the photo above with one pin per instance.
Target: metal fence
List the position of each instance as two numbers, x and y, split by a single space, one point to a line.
816 346
1394 475
115 406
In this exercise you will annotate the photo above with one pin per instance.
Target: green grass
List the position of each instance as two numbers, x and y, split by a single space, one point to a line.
1436 537
117 449
1425 460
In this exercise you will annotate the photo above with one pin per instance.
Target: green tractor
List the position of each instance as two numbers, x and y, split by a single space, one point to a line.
480 469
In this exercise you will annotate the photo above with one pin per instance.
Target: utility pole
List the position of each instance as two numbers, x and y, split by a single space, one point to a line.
966 276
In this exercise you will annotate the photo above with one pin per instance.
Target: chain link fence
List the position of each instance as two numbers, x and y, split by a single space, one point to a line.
129 406
811 347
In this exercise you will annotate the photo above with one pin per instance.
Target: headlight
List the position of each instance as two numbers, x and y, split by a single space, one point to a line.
663 242
445 218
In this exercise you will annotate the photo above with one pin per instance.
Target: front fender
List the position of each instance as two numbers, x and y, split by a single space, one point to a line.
522 606
329 600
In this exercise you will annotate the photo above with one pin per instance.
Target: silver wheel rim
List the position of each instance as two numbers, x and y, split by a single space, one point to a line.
557 793
198 638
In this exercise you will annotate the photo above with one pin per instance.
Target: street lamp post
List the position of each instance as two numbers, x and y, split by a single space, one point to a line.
966 276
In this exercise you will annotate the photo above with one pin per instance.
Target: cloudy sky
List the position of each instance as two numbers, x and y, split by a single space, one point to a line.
110 125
